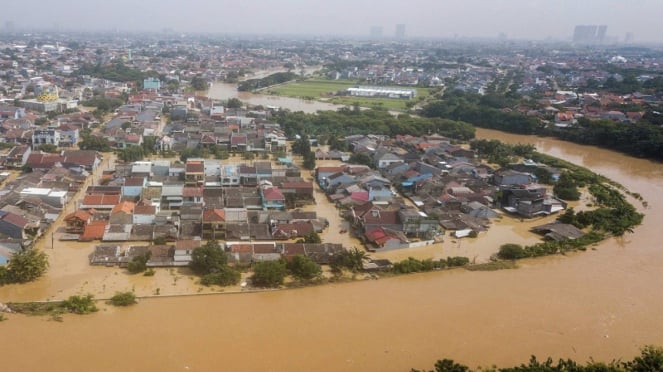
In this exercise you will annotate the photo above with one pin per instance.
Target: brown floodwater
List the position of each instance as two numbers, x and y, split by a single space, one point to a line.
603 303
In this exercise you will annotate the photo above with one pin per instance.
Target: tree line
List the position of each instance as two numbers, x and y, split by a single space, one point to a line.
650 359
347 121
642 139
273 79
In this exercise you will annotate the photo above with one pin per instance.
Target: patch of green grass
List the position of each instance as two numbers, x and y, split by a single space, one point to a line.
316 89
312 88
492 266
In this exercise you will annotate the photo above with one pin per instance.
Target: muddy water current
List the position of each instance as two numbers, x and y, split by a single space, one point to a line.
604 303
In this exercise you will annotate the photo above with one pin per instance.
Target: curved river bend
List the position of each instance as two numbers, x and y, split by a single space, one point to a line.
603 303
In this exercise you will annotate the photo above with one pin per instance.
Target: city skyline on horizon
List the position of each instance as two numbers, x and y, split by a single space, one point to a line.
516 19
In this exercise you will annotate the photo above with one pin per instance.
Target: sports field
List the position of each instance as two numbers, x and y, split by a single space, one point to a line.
323 89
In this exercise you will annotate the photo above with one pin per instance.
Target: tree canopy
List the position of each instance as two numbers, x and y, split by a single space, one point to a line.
26 265
269 274
211 262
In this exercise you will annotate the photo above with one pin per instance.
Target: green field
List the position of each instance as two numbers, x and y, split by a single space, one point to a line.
311 89
322 89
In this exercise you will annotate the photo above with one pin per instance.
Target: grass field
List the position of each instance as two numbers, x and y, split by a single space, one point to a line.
317 89
311 89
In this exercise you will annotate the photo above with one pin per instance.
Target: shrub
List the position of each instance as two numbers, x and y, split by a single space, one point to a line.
80 304
123 299
457 261
224 277
511 252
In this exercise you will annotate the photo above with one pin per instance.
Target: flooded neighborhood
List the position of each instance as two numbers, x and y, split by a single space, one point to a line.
325 204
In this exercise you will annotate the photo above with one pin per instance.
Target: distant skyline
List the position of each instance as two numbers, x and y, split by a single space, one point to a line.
515 19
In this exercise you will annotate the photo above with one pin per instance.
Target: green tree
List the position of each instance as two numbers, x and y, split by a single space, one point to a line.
27 265
224 277
4 276
138 264
566 188
234 103
303 268
208 259
650 359
131 153
269 273
94 143
361 158
351 259
511 252
309 160
198 83
312 238
301 146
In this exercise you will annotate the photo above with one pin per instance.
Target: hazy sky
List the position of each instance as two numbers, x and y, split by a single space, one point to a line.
522 19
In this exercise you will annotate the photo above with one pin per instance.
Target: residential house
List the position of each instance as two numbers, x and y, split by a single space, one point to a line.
194 173
122 213
416 223
133 186
45 137
511 177
15 226
383 239
144 213
321 173
300 189
18 156
183 251
478 210
192 195
100 202
213 226
272 197
77 221
86 159
386 159
107 255
172 195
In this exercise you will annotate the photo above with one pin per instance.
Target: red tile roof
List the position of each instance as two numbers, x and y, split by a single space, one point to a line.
189 191
94 230
125 206
81 215
195 166
214 215
101 200
272 193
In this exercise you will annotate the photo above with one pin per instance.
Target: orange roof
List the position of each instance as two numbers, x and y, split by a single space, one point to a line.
94 230
213 215
81 215
125 206
101 200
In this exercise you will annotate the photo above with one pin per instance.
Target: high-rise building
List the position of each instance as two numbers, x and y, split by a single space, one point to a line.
400 31
601 35
376 32
590 34
628 38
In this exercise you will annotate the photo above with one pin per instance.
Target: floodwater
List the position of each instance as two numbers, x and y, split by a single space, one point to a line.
603 304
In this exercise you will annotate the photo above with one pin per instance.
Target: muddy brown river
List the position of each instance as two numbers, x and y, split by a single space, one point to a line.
603 303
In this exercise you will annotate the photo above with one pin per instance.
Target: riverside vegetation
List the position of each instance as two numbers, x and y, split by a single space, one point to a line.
649 360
